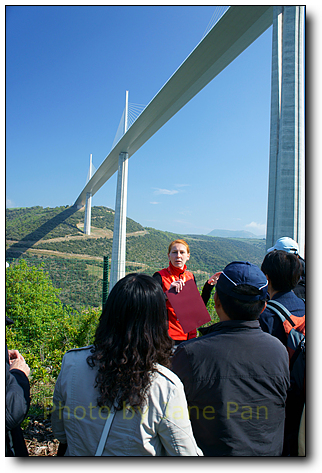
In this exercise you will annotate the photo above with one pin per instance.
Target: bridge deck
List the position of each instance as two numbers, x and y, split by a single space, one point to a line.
234 32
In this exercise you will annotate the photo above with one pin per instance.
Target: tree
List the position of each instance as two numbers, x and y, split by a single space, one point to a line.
31 301
44 328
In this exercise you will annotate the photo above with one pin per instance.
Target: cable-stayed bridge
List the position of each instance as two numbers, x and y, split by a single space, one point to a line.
232 34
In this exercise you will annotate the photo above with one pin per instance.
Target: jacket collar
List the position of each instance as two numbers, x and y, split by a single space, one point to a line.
235 325
279 294
176 271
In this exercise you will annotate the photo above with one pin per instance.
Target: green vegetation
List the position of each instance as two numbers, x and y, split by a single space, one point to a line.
30 223
44 328
208 254
54 282
57 230
79 282
34 223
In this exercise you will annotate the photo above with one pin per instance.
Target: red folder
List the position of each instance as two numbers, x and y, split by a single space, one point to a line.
189 307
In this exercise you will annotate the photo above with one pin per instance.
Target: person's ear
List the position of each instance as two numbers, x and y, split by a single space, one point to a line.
264 307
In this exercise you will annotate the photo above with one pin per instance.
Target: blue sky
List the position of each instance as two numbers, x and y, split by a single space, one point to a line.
67 70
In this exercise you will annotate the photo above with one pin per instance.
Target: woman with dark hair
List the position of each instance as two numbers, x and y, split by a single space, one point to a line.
124 374
283 271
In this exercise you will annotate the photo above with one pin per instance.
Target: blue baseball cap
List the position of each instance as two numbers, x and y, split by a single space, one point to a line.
243 272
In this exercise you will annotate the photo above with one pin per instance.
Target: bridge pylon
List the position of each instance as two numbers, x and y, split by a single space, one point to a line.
117 270
286 193
88 205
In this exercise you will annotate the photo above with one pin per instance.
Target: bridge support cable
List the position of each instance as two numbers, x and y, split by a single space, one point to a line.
217 14
134 110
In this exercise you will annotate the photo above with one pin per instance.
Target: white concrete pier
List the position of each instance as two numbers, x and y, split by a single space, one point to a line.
286 194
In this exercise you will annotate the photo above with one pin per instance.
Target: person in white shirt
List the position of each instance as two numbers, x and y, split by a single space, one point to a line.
126 371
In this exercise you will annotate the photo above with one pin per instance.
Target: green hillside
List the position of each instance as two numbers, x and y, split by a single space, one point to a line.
53 229
47 223
54 237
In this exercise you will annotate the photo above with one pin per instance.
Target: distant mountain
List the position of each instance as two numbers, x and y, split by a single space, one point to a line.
235 234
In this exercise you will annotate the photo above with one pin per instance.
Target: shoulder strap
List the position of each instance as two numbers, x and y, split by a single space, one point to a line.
281 311
105 432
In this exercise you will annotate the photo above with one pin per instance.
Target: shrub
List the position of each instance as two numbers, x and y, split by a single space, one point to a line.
44 328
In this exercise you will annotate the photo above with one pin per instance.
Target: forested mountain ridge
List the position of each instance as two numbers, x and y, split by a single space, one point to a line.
60 229
21 222
234 234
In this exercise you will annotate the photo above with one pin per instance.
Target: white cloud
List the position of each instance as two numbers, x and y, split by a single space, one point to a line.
159 191
9 204
154 203
257 227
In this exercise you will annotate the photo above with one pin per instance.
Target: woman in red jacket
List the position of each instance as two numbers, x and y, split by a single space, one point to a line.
175 275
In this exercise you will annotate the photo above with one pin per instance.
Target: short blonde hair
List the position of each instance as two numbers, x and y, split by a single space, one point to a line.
181 242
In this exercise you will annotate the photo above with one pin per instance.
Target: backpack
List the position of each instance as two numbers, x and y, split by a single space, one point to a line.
295 332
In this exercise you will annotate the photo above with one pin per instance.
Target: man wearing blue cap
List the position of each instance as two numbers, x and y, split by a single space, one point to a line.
236 377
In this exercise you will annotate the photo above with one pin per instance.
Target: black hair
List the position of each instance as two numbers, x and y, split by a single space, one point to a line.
283 269
237 309
132 336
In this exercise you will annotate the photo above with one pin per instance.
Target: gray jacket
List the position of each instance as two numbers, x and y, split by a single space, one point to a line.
161 428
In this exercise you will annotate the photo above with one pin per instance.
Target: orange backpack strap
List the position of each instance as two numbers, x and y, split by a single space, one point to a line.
294 326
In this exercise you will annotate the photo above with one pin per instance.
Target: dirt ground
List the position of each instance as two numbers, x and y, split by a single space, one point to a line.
39 438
